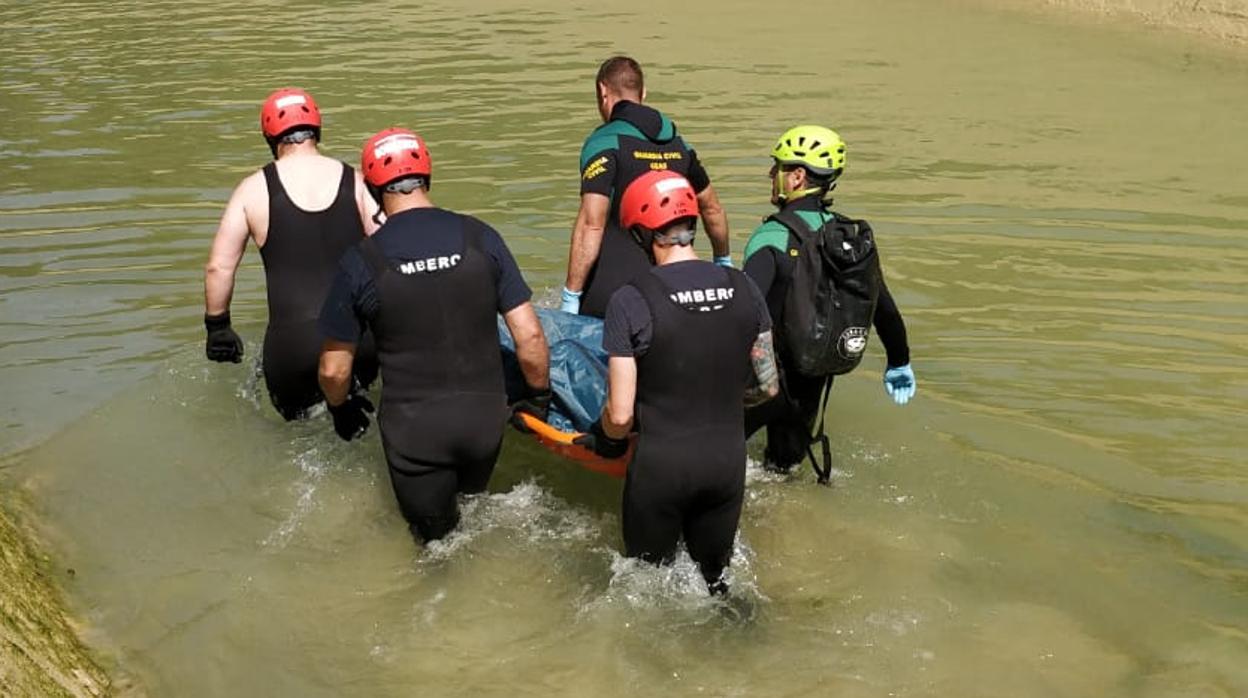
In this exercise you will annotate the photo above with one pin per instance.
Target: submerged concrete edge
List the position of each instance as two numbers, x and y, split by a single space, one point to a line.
41 653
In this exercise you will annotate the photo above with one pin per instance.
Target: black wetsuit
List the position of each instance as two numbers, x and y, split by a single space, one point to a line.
301 253
430 283
636 140
790 417
692 347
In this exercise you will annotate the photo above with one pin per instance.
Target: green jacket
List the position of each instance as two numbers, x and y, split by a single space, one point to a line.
775 235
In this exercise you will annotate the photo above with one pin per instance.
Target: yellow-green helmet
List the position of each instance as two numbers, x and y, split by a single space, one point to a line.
816 148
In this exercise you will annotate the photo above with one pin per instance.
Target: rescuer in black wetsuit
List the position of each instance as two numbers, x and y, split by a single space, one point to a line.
633 140
429 283
303 210
807 161
689 343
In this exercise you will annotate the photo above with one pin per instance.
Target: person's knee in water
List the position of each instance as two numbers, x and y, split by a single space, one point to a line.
807 162
634 139
302 224
429 285
689 341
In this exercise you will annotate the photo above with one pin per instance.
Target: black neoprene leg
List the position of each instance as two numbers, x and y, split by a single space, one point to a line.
426 496
290 357
709 535
427 492
788 436
651 516
474 475
759 416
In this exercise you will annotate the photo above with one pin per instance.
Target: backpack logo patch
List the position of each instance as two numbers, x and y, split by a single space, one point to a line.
852 343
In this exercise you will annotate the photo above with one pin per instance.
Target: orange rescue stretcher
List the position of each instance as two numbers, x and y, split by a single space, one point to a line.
561 444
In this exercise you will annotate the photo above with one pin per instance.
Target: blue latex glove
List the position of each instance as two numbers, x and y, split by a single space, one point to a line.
723 261
900 383
570 301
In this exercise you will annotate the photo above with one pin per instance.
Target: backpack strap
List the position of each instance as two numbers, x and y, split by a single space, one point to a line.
793 222
838 227
823 474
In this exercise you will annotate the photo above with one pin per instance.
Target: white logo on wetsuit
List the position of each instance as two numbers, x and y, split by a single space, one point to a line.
703 299
424 266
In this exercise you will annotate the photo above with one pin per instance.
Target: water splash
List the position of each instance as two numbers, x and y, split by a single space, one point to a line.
250 388
312 468
527 510
677 591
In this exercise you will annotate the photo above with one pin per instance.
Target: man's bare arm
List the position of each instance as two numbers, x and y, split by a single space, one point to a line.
366 206
227 251
334 371
617 414
714 220
531 348
591 221
766 383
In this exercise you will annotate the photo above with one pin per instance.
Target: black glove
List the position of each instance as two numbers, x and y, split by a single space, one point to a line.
223 343
597 441
537 403
349 419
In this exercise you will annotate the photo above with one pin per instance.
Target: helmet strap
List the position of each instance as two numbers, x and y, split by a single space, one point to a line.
779 179
802 193
826 199
796 194
644 239
799 194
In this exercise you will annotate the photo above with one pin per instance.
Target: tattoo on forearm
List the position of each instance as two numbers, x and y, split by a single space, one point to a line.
766 376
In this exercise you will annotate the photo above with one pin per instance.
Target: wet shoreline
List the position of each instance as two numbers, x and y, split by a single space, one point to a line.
1222 23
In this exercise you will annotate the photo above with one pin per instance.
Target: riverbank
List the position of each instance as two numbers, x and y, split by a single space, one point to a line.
40 653
1222 21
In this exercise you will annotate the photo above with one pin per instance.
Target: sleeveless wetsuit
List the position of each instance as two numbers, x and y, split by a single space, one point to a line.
687 477
301 256
443 402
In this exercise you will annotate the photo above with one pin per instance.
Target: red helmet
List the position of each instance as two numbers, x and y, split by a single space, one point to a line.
394 154
286 109
657 198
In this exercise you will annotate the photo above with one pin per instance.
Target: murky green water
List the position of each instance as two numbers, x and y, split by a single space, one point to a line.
1062 511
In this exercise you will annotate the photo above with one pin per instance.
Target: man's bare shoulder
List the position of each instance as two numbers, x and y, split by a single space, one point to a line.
251 200
252 185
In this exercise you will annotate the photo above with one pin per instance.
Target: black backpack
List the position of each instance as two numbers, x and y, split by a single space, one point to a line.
831 298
